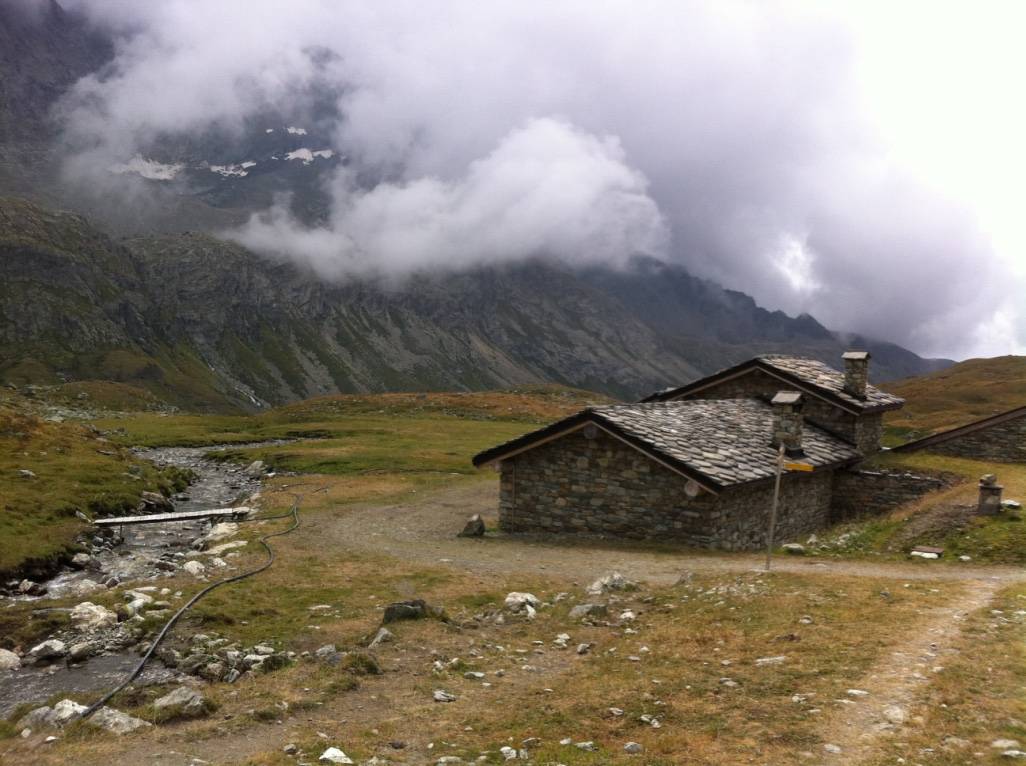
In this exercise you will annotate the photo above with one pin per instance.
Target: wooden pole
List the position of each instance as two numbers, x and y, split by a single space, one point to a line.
773 510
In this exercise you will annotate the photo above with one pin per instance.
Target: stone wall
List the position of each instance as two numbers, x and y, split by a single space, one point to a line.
868 493
864 431
1001 442
602 486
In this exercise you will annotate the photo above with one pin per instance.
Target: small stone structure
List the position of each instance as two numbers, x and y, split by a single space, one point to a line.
990 496
999 438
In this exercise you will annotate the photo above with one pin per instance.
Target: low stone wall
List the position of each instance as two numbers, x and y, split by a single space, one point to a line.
868 493
601 486
1002 442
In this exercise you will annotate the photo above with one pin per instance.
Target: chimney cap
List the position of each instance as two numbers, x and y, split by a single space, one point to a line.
787 397
855 355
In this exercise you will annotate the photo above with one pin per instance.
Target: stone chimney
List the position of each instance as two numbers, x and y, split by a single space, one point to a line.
856 373
788 422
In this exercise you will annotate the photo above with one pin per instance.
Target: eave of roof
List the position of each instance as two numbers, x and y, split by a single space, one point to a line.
790 378
968 428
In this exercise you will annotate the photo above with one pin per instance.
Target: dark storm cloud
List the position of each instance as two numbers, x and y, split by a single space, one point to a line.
727 136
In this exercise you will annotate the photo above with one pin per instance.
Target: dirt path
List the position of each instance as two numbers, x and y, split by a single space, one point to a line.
425 530
858 724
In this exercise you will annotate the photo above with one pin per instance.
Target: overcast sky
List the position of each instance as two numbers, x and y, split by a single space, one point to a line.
860 162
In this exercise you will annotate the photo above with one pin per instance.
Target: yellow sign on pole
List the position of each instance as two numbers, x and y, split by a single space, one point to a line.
798 466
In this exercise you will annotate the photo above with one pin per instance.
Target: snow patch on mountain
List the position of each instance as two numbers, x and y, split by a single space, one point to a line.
308 156
151 169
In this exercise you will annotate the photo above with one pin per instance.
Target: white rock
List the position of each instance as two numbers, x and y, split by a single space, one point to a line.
443 696
628 616
508 752
9 660
770 660
195 568
334 755
633 748
1005 744
894 714
89 616
222 531
589 746
923 555
857 693
48 649
519 602
831 748
66 711
612 581
115 721
219 550
965 558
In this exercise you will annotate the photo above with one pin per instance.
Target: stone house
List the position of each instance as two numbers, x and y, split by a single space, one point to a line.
696 464
1000 438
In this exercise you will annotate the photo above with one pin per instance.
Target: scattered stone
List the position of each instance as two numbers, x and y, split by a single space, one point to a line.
328 653
254 471
9 660
195 568
443 696
581 611
610 582
290 749
628 616
81 560
115 721
831 748
383 636
83 650
155 501
475 527
589 746
794 549
1013 505
770 660
220 550
25 473
1005 744
92 617
857 693
219 532
583 648
182 702
965 558
508 753
894 714
633 748
333 754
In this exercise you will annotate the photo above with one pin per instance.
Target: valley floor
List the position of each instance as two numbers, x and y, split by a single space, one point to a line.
870 653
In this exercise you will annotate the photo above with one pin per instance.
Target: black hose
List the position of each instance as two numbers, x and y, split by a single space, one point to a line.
293 512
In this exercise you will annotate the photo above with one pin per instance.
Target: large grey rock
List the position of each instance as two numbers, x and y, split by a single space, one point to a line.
255 469
581 611
9 660
88 616
520 602
115 721
57 716
475 527
155 502
182 702
405 610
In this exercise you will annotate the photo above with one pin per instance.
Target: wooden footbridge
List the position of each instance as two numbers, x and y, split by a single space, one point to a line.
236 513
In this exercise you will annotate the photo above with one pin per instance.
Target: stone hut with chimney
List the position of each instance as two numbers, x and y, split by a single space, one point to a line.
696 464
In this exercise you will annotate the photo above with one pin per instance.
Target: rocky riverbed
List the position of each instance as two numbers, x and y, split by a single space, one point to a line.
97 646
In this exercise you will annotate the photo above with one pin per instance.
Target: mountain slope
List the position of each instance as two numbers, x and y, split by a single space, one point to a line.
967 391
207 324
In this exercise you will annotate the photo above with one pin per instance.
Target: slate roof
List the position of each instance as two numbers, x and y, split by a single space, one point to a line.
718 442
968 428
811 374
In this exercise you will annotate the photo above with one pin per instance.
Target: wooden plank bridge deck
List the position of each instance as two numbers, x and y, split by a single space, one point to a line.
166 518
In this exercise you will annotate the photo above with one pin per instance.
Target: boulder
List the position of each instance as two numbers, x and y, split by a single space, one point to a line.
521 602
182 702
611 582
795 549
88 616
81 560
82 650
195 568
475 527
218 533
405 610
57 716
334 755
440 695
115 721
48 650
9 660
